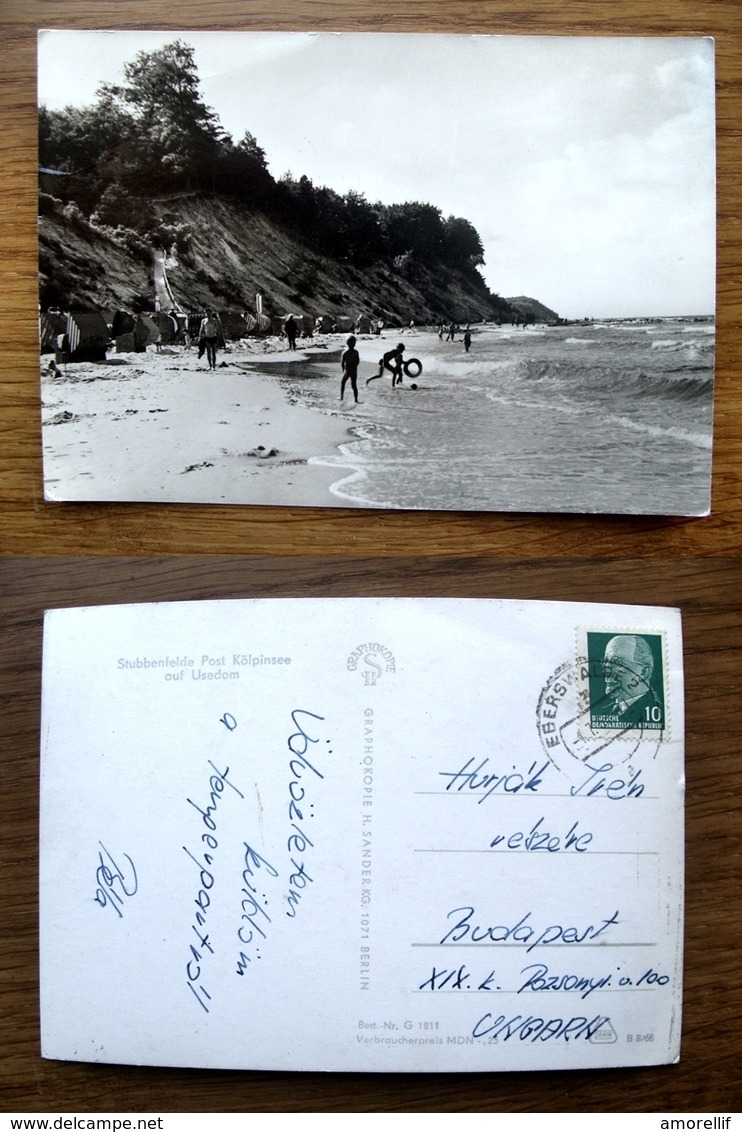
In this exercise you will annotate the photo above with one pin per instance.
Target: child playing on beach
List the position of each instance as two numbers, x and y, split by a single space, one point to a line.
349 361
392 360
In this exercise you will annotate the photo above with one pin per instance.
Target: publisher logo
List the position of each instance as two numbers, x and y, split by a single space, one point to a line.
372 662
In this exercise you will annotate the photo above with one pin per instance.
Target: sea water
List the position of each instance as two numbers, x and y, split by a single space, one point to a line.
611 417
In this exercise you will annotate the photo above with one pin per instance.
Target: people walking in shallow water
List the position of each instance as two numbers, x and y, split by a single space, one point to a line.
467 340
349 361
392 360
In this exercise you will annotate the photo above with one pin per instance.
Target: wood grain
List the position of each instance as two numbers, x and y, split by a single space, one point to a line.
28 525
709 592
574 558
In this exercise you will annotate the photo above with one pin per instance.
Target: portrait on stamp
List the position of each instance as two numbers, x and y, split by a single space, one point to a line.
626 681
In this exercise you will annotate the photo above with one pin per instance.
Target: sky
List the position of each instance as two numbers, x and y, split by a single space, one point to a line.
585 164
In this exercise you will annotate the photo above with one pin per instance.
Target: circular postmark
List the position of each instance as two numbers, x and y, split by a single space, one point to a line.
563 720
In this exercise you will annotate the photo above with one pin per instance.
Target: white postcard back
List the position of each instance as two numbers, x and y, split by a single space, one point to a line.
362 834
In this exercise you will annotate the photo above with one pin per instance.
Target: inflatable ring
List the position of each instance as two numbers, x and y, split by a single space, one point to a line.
407 367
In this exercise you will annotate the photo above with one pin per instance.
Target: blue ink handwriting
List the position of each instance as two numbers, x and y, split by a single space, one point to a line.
457 979
470 777
531 1029
298 744
258 871
615 789
539 978
253 905
522 932
538 838
216 782
298 841
204 863
113 886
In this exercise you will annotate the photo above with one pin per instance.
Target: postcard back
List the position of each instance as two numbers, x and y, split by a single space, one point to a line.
366 834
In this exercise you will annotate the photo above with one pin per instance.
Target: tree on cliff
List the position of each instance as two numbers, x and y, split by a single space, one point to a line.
154 123
76 139
175 131
461 243
153 134
415 229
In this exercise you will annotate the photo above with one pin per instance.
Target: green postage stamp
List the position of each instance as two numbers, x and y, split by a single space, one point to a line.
626 681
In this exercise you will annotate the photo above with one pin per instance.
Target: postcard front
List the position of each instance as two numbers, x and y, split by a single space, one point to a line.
483 279
360 835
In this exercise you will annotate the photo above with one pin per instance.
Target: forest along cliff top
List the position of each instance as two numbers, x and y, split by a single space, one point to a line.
148 166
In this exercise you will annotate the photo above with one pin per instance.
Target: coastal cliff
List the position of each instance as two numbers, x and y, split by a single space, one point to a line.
223 254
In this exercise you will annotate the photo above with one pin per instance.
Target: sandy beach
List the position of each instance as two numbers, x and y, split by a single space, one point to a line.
597 418
147 426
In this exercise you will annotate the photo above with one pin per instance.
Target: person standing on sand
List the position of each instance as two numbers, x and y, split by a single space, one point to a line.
467 340
208 335
291 329
349 362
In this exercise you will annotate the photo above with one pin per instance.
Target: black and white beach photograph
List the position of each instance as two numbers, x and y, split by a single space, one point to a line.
377 270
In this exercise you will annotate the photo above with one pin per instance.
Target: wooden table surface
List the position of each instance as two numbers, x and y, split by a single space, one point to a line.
56 554
28 525
709 592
